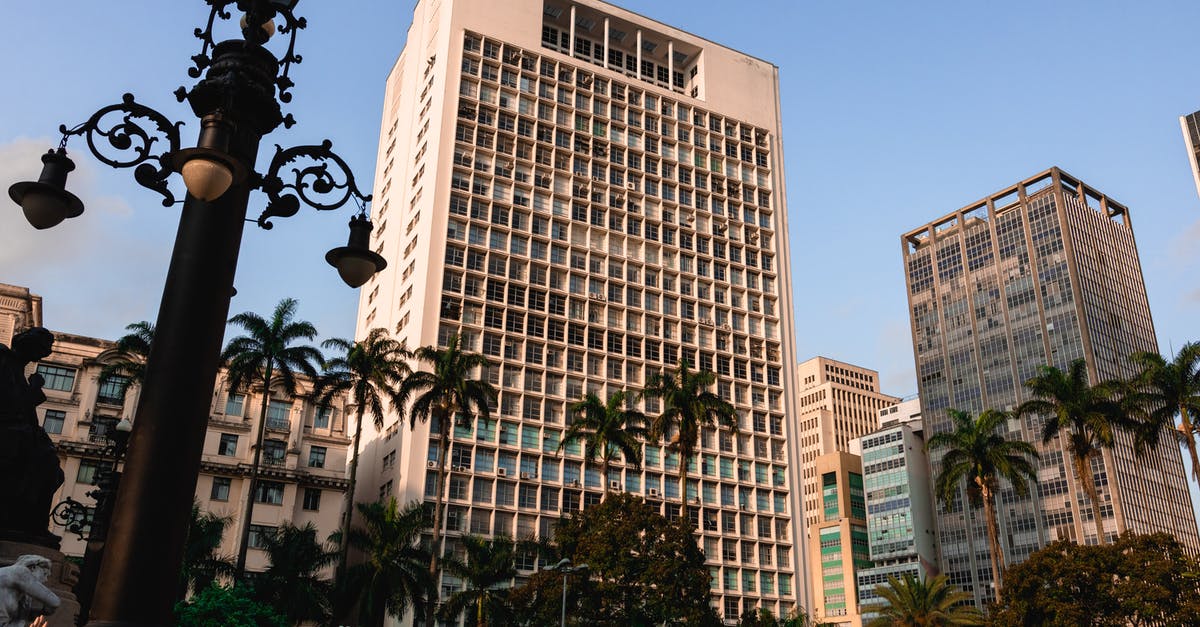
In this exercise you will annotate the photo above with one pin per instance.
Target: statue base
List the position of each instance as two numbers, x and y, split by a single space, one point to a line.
63 575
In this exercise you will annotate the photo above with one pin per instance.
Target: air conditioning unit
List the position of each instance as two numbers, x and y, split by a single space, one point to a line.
743 507
527 475
652 493
501 472
614 485
574 483
631 186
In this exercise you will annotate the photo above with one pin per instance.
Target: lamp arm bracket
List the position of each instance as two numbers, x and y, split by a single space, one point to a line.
316 176
134 136
73 516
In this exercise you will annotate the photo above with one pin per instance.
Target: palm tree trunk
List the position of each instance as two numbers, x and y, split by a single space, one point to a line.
244 544
479 621
344 553
604 471
993 532
1189 433
683 497
1083 468
436 550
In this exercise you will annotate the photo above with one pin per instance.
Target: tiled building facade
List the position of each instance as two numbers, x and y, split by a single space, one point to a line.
586 197
1044 272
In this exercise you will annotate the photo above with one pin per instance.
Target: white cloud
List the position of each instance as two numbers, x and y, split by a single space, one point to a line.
96 272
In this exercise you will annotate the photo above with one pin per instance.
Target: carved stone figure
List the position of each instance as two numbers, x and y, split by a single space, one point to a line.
29 468
24 596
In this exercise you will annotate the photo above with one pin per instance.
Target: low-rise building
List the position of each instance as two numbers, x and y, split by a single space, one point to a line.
302 475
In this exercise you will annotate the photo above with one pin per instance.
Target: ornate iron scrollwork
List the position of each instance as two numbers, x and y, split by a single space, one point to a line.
313 182
124 127
74 516
255 10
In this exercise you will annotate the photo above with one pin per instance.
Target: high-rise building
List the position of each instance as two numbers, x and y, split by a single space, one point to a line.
1043 272
303 467
1191 137
901 530
587 196
836 403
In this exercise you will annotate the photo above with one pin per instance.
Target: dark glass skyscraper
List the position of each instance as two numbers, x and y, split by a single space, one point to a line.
1044 272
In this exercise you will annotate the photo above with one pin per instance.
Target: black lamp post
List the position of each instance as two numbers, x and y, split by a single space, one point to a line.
238 102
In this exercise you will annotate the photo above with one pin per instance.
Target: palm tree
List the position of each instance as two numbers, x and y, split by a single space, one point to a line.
688 405
978 451
291 582
489 565
1091 415
1168 389
369 372
914 602
607 429
267 354
439 395
132 350
201 562
395 573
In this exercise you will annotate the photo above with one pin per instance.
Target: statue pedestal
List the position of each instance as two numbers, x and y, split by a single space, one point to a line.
63 575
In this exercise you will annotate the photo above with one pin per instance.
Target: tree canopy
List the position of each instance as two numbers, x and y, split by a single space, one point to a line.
1137 580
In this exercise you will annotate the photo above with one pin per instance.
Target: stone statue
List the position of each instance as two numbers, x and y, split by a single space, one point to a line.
24 597
29 468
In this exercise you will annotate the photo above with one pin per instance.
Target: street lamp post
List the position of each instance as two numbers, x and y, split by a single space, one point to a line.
237 102
564 567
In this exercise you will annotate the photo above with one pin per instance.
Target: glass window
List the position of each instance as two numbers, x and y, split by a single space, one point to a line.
312 499
57 377
321 419
316 456
228 445
53 422
89 471
269 492
112 390
274 452
278 413
257 535
234 404
220 489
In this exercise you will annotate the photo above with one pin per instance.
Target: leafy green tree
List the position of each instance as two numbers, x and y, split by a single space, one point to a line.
1091 416
488 571
1166 389
642 569
217 606
132 349
201 562
978 452
688 405
440 394
607 428
394 574
1138 580
913 602
369 373
292 582
269 354
763 617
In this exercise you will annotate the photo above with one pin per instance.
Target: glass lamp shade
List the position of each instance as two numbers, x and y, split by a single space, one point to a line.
268 27
43 208
355 270
206 179
124 426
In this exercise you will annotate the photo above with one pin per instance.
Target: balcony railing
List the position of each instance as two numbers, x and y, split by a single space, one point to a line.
278 424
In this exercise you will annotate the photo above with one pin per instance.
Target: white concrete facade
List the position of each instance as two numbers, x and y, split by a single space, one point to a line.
588 196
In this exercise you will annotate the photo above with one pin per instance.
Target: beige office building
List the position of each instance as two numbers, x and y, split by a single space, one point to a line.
588 196
836 403
1043 272
303 471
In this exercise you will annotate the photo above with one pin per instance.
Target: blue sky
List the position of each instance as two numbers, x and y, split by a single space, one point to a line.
894 114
